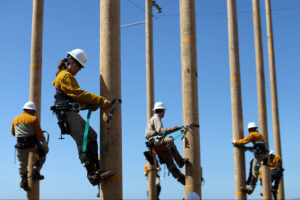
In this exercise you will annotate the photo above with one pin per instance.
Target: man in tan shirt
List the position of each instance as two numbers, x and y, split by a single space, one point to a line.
165 148
26 128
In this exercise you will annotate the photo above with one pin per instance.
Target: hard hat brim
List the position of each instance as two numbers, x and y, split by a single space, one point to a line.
69 53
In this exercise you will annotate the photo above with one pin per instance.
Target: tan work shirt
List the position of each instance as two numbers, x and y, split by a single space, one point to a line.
155 127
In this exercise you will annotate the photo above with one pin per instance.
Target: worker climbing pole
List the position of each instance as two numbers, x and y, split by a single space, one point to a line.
273 84
236 99
261 95
152 174
35 81
110 86
193 170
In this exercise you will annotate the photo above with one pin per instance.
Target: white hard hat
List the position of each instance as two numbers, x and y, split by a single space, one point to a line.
271 152
193 196
79 55
159 106
252 125
29 106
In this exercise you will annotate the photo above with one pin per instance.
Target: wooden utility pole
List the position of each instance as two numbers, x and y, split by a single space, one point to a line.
193 171
152 193
236 99
275 112
35 82
261 95
110 86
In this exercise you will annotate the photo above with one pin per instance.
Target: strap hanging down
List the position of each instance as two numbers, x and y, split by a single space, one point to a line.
86 130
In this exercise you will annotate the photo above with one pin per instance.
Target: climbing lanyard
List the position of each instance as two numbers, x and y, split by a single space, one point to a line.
183 131
87 124
86 130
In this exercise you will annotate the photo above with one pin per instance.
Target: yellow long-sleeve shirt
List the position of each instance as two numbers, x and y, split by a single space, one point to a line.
25 125
276 162
146 167
252 137
66 82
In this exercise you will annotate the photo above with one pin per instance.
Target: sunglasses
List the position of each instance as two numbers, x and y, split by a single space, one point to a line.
78 64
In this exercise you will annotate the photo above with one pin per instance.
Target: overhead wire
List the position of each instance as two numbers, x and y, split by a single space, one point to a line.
204 14
239 12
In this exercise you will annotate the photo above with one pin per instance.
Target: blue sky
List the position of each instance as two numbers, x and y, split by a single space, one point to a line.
70 24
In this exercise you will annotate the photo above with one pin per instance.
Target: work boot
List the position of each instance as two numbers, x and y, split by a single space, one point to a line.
181 180
184 161
104 174
96 177
247 190
37 176
24 184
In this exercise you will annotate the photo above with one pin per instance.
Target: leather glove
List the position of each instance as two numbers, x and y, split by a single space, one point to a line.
174 128
94 108
45 147
114 100
233 141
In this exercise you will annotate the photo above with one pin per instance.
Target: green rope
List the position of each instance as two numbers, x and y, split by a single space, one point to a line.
178 136
86 130
166 134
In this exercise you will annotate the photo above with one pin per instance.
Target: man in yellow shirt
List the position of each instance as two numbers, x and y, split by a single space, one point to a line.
26 128
158 187
260 154
276 172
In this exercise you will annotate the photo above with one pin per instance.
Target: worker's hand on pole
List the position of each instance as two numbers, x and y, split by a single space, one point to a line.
45 147
233 141
175 128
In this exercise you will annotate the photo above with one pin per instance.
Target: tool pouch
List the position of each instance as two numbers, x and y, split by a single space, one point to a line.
63 121
260 149
41 151
149 157
25 142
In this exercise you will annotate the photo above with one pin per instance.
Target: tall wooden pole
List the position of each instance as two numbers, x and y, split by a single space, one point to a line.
193 169
110 86
35 81
261 95
236 99
152 193
275 112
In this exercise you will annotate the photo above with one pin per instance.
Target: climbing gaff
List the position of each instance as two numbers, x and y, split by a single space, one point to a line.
112 111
